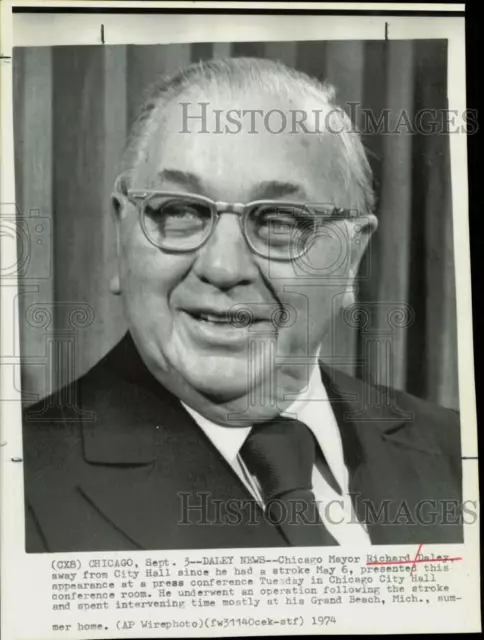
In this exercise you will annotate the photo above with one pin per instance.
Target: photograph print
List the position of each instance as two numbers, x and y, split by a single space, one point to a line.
238 317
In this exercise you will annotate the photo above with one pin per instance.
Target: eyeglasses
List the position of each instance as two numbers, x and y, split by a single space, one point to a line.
180 222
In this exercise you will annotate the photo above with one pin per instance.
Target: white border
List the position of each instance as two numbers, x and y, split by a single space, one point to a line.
84 29
194 4
20 603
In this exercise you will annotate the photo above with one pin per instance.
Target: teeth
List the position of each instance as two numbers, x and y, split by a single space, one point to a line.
214 319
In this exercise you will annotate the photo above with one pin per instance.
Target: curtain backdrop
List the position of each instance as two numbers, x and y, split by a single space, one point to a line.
73 108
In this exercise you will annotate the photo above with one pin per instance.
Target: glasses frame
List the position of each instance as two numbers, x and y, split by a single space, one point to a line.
139 198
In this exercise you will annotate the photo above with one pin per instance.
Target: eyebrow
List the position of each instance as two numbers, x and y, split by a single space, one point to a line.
266 190
183 178
270 189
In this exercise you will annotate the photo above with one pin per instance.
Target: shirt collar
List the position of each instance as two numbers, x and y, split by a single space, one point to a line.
133 412
313 408
228 440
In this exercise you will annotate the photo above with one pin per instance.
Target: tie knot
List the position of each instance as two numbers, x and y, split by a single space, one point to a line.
280 453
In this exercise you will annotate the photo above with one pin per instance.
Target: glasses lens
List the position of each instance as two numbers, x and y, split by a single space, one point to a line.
280 231
176 223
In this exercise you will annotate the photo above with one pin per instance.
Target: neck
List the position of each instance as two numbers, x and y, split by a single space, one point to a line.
272 395
258 404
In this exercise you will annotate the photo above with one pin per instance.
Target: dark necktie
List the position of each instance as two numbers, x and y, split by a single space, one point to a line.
281 454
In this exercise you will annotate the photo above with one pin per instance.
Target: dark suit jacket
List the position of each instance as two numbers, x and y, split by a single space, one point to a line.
113 460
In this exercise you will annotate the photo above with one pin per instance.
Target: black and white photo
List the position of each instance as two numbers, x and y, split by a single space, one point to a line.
237 392
242 207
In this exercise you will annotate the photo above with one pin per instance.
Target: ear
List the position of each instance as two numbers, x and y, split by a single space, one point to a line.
119 204
119 196
360 230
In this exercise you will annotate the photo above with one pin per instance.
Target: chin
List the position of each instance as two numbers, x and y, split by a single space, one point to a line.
219 377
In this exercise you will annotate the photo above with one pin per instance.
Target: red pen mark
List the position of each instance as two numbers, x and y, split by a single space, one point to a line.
415 561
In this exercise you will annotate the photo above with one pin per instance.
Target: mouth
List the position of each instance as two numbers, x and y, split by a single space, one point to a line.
212 318
221 327
237 319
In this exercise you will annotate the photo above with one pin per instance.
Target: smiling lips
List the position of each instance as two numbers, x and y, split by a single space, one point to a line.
228 329
235 318
214 318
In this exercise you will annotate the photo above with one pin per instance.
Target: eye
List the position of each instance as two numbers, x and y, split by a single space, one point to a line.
177 216
182 212
277 219
277 224
173 209
281 220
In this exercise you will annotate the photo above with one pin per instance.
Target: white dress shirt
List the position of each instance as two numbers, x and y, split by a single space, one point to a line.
312 407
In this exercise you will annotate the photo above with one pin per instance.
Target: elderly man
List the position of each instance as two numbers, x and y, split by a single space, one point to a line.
242 211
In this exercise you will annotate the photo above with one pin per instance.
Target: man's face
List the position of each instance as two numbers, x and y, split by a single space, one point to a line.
175 303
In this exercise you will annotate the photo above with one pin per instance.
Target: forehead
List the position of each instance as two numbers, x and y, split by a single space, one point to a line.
233 141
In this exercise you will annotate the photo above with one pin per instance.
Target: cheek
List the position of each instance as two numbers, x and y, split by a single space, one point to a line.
148 275
312 307
330 255
312 293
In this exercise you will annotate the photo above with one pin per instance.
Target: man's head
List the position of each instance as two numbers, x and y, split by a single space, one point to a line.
238 131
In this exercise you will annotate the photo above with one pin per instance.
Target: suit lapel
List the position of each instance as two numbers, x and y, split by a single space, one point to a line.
155 481
397 476
154 475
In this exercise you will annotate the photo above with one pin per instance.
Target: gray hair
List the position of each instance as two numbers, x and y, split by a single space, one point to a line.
243 74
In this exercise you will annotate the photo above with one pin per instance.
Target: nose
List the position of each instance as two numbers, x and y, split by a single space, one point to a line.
226 261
